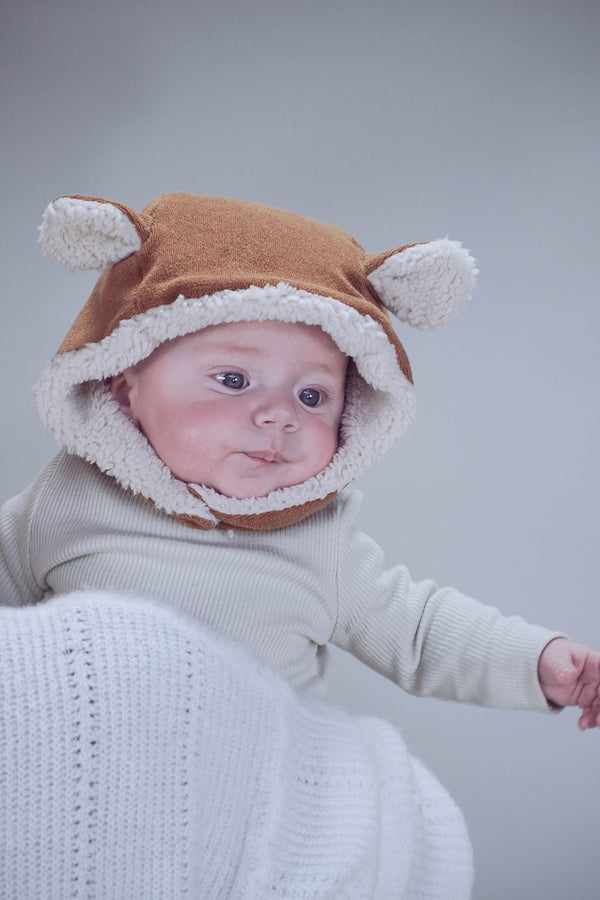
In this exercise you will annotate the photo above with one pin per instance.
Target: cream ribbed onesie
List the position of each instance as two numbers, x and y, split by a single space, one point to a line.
285 593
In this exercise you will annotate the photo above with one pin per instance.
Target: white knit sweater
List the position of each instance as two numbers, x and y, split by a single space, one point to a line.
143 756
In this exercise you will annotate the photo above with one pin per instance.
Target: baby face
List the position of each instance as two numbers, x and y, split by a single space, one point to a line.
244 408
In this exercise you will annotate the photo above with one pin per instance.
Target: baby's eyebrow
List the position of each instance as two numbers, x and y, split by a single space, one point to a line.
323 367
251 348
234 348
315 366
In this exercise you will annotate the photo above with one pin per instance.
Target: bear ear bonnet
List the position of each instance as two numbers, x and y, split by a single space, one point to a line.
423 285
187 262
91 233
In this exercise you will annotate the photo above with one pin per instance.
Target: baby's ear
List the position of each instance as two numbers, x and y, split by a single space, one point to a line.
90 232
120 387
424 285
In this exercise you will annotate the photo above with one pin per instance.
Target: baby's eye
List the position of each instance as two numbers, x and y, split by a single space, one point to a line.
310 397
233 380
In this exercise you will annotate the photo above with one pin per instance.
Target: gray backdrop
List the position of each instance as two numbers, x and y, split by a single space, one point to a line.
399 121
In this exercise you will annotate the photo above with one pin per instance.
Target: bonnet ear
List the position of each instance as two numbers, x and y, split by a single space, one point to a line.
91 233
424 285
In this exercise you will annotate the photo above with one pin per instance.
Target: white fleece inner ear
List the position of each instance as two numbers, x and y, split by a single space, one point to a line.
76 405
427 284
86 234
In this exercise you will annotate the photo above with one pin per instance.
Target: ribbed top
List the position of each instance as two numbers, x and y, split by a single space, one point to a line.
287 593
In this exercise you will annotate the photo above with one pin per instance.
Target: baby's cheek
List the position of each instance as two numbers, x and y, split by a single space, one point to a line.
172 434
324 443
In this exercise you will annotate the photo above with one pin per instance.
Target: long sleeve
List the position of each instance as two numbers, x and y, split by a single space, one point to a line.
429 640
18 583
286 593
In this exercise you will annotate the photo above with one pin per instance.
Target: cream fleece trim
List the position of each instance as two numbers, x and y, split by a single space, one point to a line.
75 404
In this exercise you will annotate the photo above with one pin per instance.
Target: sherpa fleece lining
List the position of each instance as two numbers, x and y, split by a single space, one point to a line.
74 401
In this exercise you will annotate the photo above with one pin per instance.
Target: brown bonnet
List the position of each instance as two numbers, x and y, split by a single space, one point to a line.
188 261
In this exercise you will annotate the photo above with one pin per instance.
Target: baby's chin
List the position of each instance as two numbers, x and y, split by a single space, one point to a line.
253 489
260 482
248 492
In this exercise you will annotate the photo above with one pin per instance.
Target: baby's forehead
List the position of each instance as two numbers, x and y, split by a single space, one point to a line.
257 337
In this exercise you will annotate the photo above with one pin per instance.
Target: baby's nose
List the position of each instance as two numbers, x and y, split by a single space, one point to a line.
278 413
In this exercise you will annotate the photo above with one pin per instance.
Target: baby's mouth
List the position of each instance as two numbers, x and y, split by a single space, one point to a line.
266 456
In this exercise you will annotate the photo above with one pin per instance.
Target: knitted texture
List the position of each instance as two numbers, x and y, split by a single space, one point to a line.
141 755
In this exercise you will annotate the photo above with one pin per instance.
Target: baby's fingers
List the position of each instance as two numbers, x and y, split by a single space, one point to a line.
589 697
590 718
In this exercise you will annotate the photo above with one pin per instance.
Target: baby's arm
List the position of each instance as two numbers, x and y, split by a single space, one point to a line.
432 641
569 675
19 584
439 642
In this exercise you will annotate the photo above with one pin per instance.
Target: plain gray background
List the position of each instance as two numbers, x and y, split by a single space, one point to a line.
399 121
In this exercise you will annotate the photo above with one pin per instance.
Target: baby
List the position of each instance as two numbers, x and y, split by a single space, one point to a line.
234 370
244 408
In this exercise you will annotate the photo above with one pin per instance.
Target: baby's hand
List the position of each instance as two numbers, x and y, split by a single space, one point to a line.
569 675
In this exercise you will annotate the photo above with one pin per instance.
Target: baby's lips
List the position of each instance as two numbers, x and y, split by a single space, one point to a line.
266 455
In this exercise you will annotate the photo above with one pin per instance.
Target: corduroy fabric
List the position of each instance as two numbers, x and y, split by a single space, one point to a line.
188 262
142 755
196 246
